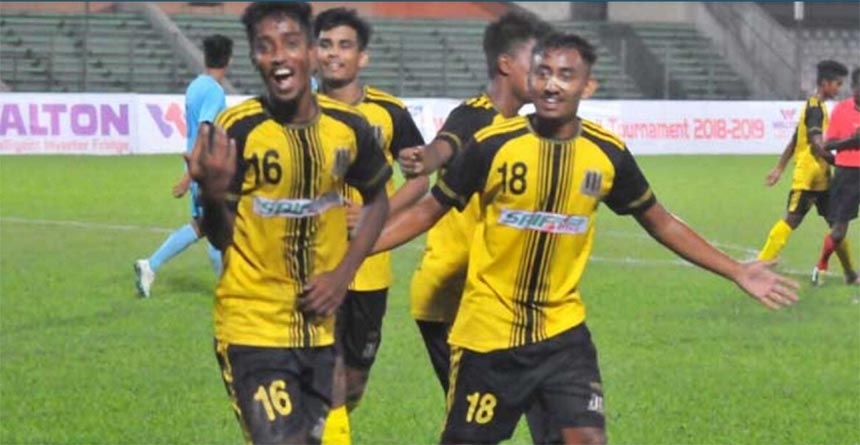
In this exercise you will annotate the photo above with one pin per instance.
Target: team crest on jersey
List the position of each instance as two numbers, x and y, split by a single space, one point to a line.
591 184
341 162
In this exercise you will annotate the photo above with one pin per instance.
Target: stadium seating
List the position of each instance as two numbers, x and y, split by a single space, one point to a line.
241 74
104 52
827 43
410 57
692 60
614 82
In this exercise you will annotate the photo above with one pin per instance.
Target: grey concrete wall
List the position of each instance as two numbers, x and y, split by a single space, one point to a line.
670 12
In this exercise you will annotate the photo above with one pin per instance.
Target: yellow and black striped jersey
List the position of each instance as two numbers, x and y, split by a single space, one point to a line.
538 199
395 130
810 171
466 119
290 221
451 236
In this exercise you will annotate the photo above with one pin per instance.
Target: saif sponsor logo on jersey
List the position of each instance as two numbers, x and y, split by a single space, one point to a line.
295 208
544 221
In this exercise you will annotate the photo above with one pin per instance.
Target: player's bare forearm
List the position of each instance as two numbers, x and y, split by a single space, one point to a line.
679 238
843 144
437 154
409 193
217 222
373 214
182 185
755 278
405 226
773 176
786 155
817 143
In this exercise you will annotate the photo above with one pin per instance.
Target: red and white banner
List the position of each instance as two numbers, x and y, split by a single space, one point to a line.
112 124
697 127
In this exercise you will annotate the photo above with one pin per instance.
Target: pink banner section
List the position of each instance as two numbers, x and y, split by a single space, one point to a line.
120 124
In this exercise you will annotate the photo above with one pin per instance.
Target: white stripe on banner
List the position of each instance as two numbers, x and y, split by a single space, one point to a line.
118 124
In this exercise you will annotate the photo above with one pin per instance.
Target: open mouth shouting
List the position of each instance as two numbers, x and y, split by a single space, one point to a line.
283 80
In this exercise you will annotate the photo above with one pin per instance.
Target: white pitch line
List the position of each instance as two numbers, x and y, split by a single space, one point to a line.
599 259
83 224
718 244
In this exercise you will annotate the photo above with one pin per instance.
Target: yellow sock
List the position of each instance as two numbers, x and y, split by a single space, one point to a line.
775 241
843 251
336 430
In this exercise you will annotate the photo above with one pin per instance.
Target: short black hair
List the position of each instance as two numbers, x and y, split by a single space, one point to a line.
341 16
511 30
255 13
564 40
217 50
830 70
855 77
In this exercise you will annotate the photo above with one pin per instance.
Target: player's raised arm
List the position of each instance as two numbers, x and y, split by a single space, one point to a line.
425 159
461 180
212 163
405 226
406 135
755 278
459 128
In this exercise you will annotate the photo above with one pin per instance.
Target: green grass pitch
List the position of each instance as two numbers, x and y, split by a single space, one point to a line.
686 357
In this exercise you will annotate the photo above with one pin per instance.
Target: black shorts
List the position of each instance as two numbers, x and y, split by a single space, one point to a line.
279 394
358 329
490 391
844 194
800 201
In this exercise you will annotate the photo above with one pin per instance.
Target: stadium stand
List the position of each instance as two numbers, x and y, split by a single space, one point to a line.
103 52
692 60
615 82
121 52
827 43
427 58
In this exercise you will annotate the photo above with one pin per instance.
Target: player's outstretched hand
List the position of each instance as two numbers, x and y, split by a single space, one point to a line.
411 161
181 187
212 162
773 177
768 287
324 293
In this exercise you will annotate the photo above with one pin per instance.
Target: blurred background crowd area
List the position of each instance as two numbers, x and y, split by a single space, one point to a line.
649 50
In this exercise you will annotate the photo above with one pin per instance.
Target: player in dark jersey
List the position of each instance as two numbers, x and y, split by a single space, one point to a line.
811 178
520 336
271 175
342 38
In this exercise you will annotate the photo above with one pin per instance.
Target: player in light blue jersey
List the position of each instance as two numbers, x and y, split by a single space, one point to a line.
204 99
